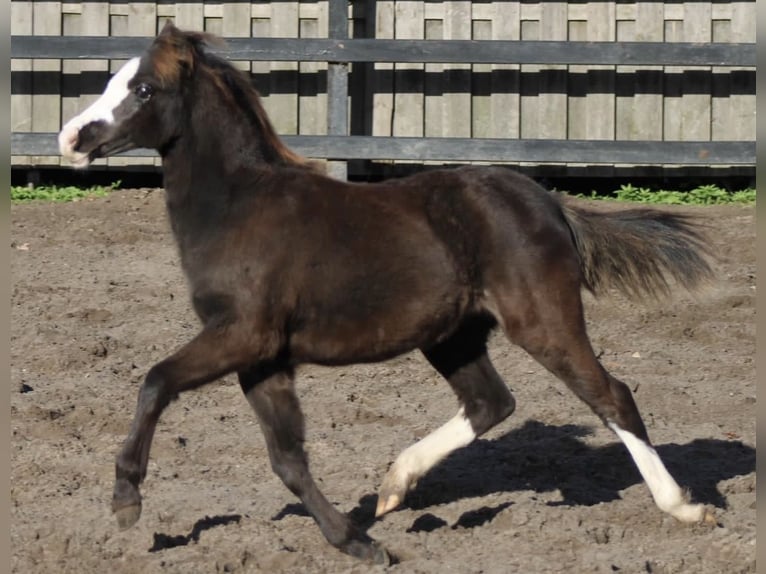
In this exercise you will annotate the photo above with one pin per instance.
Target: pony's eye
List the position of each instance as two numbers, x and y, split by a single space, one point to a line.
143 91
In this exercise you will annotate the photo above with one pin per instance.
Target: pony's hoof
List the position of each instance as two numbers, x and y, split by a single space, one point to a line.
393 489
709 519
380 555
126 503
386 504
127 516
366 549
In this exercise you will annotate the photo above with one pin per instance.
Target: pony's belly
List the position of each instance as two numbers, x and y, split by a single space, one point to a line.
369 340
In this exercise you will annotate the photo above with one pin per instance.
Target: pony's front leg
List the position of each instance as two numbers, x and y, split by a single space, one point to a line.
212 354
270 391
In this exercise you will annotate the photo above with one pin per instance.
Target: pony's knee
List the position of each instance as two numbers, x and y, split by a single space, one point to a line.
154 394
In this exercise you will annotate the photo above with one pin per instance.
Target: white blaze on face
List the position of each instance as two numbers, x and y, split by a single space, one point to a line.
101 110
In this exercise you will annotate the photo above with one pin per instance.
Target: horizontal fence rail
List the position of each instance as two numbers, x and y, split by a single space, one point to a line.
409 51
340 51
473 149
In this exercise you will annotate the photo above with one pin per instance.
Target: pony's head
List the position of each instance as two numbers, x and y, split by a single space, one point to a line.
141 104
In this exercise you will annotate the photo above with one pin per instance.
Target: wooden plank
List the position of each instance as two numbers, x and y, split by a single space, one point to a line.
506 78
21 78
734 101
189 15
434 84
671 109
235 22
383 85
214 18
743 98
696 84
639 116
481 86
600 101
432 51
362 74
624 88
307 11
21 71
721 121
672 104
46 101
434 81
312 100
165 12
283 77
456 106
409 105
142 19
577 87
479 149
591 113
530 84
260 29
548 109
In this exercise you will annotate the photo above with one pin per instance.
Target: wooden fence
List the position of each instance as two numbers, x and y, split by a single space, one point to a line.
599 82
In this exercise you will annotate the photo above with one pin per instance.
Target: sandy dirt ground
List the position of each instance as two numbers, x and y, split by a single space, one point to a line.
98 297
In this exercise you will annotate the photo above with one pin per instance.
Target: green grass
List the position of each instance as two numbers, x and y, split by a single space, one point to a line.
702 195
24 194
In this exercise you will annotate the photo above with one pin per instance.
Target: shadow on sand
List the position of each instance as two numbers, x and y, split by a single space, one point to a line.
541 458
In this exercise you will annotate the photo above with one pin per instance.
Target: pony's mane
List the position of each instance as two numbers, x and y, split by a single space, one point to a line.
175 50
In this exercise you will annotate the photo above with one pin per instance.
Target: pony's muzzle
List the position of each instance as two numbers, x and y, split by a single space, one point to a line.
68 139
76 142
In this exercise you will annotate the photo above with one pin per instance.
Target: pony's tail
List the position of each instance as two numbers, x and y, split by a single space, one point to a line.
636 251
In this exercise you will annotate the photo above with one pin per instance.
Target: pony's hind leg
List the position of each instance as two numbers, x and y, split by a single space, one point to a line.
212 354
270 391
484 398
553 331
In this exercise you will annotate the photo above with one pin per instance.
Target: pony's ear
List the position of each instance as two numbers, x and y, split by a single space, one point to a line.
169 28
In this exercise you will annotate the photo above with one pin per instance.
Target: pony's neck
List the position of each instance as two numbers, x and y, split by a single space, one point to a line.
225 148
213 147
227 133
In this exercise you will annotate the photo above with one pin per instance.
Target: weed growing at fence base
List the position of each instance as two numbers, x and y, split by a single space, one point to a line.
702 195
24 194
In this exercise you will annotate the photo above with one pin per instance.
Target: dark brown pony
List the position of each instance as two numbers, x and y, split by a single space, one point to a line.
287 266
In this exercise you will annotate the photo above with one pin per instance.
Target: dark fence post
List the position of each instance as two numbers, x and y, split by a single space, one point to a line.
337 85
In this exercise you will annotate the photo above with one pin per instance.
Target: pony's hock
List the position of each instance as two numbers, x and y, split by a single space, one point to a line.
288 266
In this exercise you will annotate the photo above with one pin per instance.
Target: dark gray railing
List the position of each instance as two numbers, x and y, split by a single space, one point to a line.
455 149
338 51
